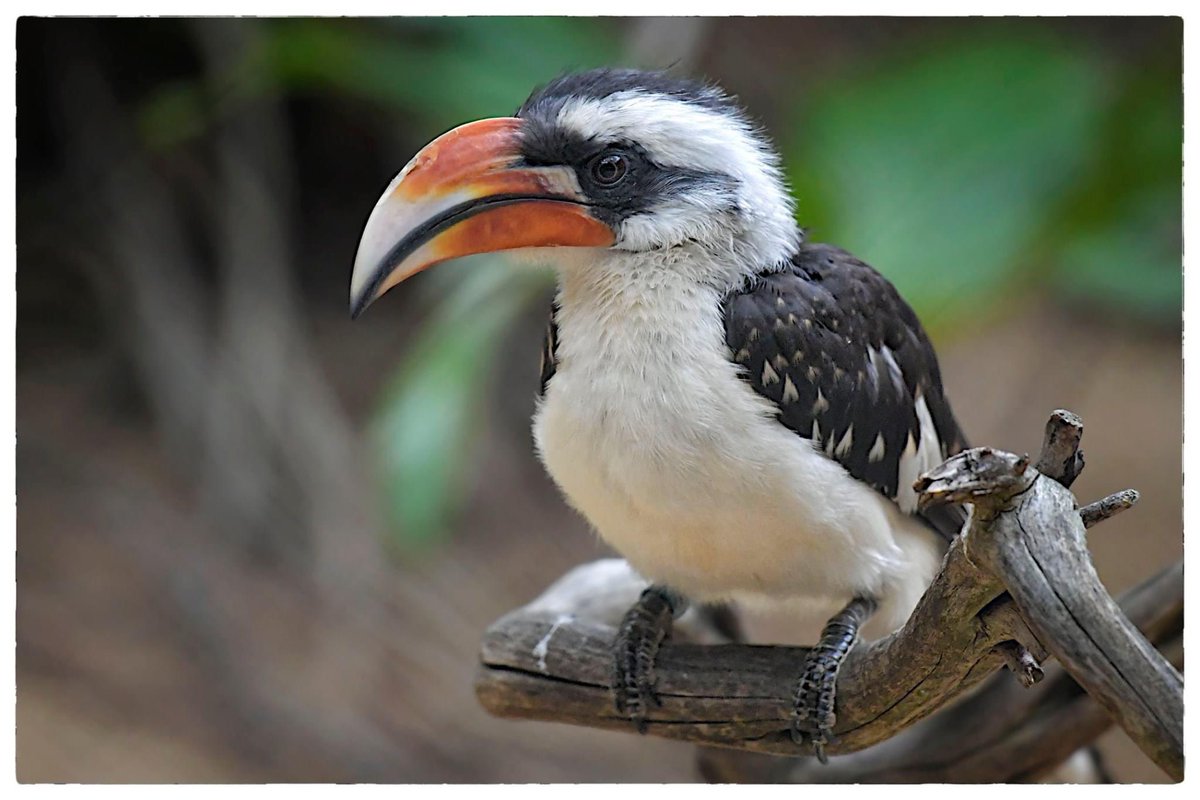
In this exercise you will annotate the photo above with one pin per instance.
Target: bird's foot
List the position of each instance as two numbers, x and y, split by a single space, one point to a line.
816 692
814 703
639 636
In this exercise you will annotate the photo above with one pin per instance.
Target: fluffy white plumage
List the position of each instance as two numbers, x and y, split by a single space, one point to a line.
685 470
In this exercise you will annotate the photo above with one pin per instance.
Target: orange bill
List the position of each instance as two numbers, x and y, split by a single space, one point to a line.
466 193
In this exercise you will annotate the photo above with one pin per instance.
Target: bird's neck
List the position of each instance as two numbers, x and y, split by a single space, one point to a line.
624 294
590 276
771 236
655 305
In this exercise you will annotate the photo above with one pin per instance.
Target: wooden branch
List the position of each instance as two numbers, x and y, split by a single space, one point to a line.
1061 457
556 665
1002 733
550 664
552 660
1029 534
1097 512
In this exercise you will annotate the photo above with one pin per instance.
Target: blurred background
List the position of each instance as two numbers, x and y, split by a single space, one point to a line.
260 543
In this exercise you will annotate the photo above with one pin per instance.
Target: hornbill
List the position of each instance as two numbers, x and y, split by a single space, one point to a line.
740 413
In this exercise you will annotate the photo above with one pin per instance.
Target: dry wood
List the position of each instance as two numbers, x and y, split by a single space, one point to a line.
1032 537
1024 543
1097 512
1041 553
1003 732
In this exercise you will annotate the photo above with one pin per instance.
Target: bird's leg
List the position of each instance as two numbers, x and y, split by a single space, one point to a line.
638 638
816 692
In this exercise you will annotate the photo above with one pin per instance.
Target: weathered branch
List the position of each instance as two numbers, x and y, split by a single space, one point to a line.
1061 457
1097 512
1029 534
552 659
1002 733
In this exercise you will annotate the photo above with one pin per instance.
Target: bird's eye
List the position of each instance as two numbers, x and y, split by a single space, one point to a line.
609 168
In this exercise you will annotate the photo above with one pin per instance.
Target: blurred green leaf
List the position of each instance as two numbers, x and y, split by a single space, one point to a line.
940 169
1131 266
430 413
1119 241
445 71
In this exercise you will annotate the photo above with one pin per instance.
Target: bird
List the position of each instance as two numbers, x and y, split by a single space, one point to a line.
737 411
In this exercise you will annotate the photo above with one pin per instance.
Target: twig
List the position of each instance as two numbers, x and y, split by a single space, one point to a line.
1097 512
1022 663
1061 457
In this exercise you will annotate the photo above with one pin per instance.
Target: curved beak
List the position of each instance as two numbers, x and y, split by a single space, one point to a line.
465 193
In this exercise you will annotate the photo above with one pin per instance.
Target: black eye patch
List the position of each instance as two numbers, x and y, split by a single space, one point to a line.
641 183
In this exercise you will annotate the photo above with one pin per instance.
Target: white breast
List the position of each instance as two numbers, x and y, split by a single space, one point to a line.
683 468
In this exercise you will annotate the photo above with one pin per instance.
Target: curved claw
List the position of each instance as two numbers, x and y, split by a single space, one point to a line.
817 739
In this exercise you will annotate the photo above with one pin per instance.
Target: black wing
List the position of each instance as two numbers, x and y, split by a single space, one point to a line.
831 342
